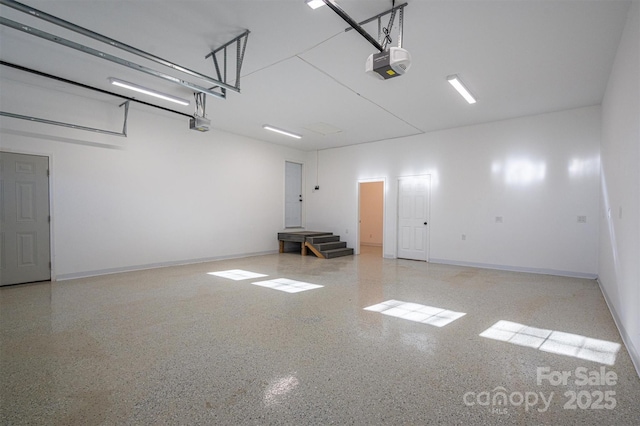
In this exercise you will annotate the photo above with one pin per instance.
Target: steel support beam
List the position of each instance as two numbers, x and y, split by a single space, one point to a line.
85 49
85 86
111 42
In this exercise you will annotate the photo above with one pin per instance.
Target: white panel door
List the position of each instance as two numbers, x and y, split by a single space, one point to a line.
413 217
293 195
24 219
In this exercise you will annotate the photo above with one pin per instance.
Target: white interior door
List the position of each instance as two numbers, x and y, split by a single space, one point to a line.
293 195
413 217
24 219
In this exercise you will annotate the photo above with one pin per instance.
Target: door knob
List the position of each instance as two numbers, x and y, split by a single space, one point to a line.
425 223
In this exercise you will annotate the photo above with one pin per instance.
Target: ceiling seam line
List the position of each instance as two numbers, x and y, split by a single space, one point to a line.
290 57
363 97
420 132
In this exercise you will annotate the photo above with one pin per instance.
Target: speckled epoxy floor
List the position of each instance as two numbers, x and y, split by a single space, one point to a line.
181 346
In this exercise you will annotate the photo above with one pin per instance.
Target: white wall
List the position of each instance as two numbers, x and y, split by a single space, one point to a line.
539 173
619 272
163 195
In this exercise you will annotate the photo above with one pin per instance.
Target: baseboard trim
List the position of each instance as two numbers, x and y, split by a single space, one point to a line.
542 271
95 273
628 343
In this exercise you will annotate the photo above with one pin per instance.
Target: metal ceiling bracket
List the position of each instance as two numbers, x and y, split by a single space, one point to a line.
387 31
378 17
201 105
111 42
126 116
74 126
241 46
400 27
85 49
340 12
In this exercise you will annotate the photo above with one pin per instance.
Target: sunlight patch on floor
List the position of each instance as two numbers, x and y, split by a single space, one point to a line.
416 312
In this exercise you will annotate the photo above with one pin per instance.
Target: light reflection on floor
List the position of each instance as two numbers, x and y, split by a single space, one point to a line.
278 389
556 342
287 285
416 312
237 274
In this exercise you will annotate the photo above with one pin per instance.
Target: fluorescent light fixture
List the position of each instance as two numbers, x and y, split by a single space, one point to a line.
282 132
146 91
455 81
314 4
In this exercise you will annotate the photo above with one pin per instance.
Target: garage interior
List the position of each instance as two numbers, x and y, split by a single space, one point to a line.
495 242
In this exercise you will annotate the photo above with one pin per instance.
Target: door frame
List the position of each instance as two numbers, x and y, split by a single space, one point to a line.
427 243
52 215
384 208
302 190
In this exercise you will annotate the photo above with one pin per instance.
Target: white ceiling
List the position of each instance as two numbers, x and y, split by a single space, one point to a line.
302 71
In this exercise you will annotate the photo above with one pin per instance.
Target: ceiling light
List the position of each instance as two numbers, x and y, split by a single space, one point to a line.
314 4
455 81
146 91
283 132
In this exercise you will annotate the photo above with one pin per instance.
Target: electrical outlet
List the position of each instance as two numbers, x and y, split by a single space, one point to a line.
582 219
464 237
499 219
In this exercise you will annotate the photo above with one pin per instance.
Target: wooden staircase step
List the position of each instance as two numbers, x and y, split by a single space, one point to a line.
330 254
323 244
323 239
300 236
331 245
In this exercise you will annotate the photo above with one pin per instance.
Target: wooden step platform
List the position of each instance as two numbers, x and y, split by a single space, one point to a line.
324 245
